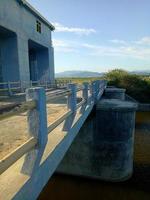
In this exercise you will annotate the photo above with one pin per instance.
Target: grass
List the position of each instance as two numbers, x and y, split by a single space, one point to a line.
79 80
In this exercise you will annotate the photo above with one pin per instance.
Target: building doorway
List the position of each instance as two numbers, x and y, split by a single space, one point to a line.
9 66
38 62
33 65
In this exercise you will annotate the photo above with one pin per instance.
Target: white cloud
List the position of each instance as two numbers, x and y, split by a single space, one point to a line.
143 41
80 31
59 43
131 50
116 41
63 46
123 51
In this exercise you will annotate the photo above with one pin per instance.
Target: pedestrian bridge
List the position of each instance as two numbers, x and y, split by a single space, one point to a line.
26 170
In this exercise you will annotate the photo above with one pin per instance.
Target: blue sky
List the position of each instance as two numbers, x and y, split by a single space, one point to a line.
99 35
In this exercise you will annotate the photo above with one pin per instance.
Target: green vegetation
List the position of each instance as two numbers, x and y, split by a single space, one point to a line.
137 86
80 80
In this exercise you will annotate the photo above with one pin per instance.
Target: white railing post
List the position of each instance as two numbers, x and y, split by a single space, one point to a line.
9 89
85 91
37 127
38 95
72 99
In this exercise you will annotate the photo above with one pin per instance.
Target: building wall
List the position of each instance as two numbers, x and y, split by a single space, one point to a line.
15 17
9 55
51 63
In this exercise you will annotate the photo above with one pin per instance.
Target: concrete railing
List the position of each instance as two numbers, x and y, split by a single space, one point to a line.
35 104
20 86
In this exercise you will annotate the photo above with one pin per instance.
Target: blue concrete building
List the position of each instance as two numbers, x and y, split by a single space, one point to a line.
26 51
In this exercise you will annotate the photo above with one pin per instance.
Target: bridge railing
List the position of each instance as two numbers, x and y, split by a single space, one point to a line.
35 106
20 86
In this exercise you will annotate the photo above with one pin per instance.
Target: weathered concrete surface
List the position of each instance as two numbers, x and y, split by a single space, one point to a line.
79 158
114 138
115 93
106 153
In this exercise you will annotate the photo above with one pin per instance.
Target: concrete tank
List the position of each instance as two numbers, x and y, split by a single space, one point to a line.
113 139
115 93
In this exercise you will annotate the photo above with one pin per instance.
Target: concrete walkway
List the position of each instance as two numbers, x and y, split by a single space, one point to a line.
14 130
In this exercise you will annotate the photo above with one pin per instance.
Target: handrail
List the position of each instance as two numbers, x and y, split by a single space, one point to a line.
3 83
58 121
11 158
19 109
58 94
81 103
3 89
20 86
14 82
37 101
15 88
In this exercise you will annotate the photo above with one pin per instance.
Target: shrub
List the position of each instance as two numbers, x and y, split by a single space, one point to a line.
136 86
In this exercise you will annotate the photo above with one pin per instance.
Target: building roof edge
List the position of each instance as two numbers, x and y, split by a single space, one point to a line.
35 12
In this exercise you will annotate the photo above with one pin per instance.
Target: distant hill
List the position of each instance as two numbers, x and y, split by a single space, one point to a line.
141 72
80 74
86 74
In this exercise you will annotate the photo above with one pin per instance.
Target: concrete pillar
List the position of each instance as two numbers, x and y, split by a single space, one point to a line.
51 70
37 127
72 99
113 139
115 93
38 94
23 58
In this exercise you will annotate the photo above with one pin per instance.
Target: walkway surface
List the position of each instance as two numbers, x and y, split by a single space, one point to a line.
14 130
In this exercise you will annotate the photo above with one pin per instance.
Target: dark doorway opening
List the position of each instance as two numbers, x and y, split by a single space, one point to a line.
9 67
38 62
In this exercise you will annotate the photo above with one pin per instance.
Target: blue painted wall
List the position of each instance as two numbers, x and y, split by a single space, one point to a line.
10 65
15 17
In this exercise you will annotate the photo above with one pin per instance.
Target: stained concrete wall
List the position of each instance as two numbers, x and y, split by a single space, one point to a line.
80 157
114 138
106 154
17 18
115 93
